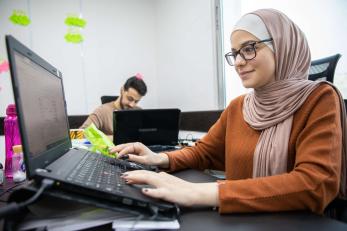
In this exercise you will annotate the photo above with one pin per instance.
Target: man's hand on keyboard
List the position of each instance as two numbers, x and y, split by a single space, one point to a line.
137 152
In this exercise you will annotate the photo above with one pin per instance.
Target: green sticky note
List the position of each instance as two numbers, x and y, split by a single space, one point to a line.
75 21
74 37
19 17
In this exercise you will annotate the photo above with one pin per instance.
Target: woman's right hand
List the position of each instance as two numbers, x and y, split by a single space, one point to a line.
138 152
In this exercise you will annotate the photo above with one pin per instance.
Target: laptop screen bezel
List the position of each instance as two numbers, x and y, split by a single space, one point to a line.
39 160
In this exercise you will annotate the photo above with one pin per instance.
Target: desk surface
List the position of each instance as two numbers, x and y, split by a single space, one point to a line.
208 219
211 220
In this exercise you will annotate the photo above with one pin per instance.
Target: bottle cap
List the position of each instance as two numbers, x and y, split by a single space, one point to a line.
11 109
17 149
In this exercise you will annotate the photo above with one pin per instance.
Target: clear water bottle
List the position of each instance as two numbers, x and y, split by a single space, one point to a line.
12 137
17 164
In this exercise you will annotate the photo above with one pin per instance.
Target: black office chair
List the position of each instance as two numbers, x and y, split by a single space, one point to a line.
324 69
108 98
337 209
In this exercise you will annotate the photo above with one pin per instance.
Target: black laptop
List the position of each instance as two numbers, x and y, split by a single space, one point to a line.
156 128
39 96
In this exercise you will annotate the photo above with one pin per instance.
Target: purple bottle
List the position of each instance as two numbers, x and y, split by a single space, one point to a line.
12 136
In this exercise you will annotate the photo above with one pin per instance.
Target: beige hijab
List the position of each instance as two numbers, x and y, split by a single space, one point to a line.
271 108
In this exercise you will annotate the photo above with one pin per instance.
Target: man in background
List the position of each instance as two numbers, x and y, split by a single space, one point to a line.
130 94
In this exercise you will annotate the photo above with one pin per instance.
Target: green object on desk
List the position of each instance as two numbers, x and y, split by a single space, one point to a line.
100 142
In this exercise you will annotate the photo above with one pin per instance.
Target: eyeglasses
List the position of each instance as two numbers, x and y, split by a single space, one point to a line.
247 52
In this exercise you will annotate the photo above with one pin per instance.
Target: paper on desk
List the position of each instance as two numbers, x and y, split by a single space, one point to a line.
80 143
87 219
132 224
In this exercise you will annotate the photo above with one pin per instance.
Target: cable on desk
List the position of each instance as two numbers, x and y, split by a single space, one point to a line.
189 138
189 134
10 188
138 218
15 207
156 216
155 213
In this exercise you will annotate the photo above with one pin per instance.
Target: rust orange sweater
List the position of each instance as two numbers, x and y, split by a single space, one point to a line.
314 159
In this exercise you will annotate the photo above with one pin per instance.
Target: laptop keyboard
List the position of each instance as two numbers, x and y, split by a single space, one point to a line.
98 171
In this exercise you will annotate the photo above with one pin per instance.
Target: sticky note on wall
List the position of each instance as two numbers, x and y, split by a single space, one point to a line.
76 21
19 17
76 24
74 36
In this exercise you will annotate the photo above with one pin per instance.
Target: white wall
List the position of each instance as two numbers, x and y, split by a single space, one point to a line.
119 41
169 42
233 84
23 34
186 68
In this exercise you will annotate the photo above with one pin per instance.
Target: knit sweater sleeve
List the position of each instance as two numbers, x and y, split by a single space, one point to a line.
208 153
314 180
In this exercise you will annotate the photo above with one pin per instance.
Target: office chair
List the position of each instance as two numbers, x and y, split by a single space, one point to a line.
324 69
108 98
337 209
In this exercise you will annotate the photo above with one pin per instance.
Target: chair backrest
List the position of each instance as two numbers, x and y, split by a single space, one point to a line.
108 98
324 69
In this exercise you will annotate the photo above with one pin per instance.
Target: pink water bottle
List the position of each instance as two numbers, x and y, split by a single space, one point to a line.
12 137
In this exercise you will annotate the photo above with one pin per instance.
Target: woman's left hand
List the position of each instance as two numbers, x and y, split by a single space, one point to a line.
173 189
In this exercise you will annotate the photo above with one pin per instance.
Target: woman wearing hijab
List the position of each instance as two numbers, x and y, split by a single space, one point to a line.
282 146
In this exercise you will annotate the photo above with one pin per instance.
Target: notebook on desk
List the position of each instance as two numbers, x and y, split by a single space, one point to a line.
41 106
156 128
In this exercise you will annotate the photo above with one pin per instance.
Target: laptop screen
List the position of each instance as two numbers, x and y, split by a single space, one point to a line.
149 126
40 102
43 106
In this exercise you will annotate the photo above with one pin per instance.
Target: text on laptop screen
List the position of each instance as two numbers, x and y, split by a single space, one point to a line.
43 105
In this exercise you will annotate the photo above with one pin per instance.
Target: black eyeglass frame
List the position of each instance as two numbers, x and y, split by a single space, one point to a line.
235 54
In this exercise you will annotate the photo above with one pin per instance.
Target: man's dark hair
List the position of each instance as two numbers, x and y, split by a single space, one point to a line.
137 83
